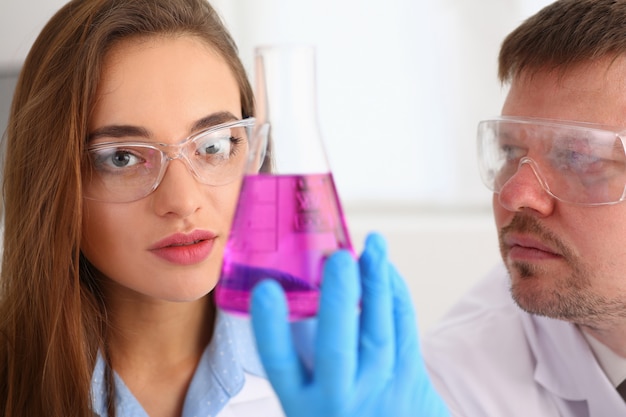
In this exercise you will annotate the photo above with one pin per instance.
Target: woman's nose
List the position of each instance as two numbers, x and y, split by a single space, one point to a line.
179 192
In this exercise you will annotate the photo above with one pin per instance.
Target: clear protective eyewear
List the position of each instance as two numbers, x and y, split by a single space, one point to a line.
578 163
122 172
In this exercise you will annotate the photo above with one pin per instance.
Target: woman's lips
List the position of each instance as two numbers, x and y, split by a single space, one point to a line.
185 249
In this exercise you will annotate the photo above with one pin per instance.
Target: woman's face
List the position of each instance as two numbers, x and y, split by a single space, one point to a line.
169 244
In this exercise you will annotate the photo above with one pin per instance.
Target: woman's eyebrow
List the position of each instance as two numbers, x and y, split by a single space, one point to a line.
212 120
122 131
118 131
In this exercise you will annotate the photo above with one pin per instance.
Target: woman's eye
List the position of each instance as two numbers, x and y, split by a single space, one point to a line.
115 159
214 146
122 159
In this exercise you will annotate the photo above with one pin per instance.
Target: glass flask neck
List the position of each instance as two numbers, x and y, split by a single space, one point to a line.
287 101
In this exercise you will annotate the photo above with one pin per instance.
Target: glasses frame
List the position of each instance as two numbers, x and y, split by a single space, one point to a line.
170 152
618 133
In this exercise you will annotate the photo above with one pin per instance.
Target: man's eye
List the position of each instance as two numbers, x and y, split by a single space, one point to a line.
581 162
512 152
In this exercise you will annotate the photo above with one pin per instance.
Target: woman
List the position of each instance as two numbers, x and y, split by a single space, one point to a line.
100 275
128 126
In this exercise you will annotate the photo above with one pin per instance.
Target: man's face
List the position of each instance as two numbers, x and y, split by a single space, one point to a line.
566 261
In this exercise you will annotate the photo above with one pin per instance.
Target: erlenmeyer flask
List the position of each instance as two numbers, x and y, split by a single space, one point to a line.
288 219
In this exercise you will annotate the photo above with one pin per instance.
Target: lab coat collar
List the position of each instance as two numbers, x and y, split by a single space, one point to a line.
566 366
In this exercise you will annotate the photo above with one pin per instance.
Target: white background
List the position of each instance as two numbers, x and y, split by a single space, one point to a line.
402 85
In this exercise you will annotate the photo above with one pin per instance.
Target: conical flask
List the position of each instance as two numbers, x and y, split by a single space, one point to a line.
288 217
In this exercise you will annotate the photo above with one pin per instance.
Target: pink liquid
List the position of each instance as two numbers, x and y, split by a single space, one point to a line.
284 228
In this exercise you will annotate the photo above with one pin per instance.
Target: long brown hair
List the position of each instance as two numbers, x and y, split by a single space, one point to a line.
52 318
564 34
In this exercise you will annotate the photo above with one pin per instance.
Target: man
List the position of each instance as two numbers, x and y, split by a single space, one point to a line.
545 335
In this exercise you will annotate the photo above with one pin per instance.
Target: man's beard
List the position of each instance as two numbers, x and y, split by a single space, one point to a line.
570 297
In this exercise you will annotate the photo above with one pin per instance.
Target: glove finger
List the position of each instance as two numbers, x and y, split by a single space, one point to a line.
408 356
269 314
337 331
376 343
413 386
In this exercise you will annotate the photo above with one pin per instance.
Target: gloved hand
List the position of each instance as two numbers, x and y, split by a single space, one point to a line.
367 363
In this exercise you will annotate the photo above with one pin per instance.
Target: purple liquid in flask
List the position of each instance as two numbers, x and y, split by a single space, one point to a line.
288 218
284 228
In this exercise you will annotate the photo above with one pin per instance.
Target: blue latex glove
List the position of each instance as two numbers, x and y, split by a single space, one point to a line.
367 363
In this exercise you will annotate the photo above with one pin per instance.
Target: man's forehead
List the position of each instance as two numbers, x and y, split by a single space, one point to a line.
591 91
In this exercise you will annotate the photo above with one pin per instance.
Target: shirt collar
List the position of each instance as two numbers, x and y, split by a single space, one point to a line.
565 365
218 377
613 365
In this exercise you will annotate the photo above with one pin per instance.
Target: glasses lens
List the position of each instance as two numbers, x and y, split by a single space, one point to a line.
576 164
218 155
122 172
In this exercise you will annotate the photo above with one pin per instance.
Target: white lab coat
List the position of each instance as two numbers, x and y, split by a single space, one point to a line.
488 358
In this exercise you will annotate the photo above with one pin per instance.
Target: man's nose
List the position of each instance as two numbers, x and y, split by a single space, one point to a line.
526 189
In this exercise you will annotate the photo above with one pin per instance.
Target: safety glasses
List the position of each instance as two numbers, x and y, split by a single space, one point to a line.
578 163
120 172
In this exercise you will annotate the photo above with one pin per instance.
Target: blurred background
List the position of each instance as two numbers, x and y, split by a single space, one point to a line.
401 88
